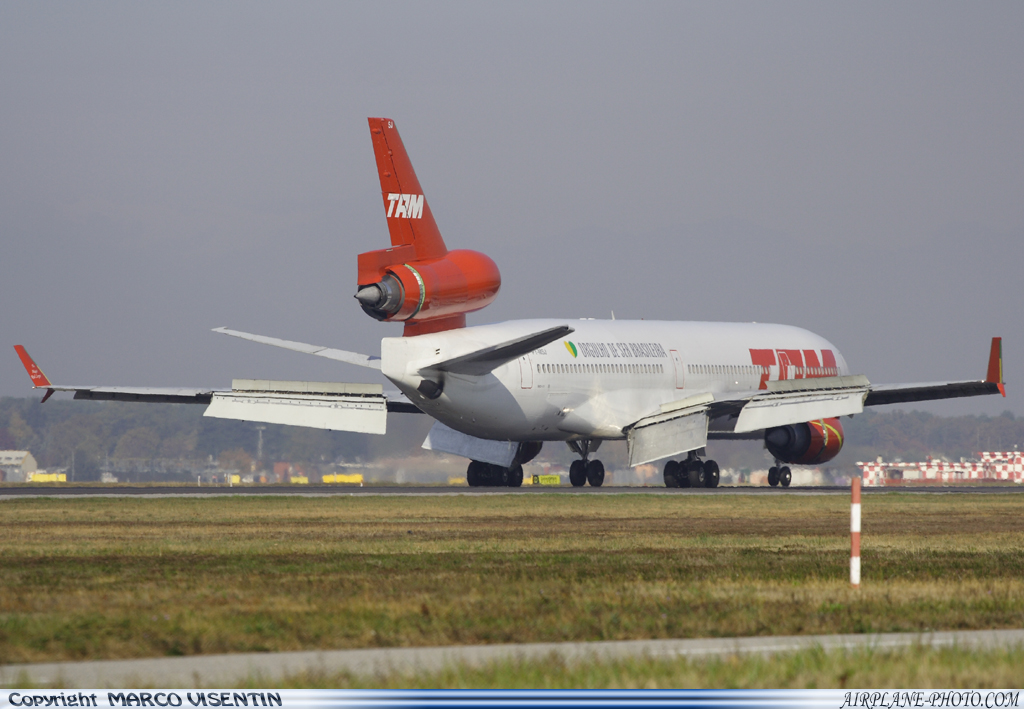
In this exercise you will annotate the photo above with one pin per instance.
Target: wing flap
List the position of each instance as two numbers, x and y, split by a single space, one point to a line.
771 410
680 427
332 406
448 440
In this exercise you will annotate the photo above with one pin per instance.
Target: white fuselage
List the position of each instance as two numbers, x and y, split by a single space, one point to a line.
603 377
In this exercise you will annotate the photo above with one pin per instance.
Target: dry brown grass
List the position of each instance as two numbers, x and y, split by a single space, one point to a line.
126 577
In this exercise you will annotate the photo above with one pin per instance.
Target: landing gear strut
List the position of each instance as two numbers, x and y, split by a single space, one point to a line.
585 471
691 472
779 475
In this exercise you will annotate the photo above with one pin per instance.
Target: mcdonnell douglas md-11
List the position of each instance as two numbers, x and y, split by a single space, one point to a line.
498 392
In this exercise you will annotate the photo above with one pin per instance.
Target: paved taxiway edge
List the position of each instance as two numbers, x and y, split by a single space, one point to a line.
228 670
12 493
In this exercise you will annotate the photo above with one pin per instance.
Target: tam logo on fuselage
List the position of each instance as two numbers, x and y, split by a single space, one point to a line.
409 206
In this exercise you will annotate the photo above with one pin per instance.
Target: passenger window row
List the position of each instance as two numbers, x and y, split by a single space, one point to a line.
755 370
600 369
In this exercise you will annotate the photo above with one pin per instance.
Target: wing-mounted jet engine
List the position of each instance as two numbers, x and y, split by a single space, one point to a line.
807 443
417 281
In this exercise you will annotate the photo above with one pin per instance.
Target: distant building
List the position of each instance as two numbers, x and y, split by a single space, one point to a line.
16 465
989 467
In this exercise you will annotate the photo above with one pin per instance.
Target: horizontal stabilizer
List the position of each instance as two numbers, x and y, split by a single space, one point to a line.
361 360
487 359
333 406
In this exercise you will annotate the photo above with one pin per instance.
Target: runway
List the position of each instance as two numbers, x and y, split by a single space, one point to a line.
230 670
28 491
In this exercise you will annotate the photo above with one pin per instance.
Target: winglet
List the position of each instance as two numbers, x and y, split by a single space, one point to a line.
34 372
39 379
995 365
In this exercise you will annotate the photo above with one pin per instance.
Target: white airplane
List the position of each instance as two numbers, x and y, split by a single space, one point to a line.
498 392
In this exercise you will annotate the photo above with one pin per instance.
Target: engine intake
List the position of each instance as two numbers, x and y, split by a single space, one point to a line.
807 443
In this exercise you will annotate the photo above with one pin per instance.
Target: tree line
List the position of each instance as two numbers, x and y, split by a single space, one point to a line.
97 432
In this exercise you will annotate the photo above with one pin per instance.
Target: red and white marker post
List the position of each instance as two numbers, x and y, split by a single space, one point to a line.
855 532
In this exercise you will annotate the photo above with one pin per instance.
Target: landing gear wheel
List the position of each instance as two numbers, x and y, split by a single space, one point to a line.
773 476
695 473
578 473
595 473
499 476
785 476
672 469
475 472
711 473
515 475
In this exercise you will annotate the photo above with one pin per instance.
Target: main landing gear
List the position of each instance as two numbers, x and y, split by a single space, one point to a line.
779 475
585 471
480 474
691 472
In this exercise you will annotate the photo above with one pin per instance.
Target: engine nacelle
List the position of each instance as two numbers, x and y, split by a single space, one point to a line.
433 294
806 443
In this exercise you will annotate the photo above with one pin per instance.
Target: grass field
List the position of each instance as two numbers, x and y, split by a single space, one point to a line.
916 667
114 578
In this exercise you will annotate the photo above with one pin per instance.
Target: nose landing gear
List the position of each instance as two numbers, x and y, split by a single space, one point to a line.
691 472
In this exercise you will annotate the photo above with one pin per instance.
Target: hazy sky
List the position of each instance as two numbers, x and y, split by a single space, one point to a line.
853 168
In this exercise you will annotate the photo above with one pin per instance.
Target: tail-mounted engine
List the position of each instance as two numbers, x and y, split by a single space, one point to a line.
433 295
805 443
418 281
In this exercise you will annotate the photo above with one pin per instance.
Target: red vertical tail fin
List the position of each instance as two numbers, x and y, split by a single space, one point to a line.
410 220
418 280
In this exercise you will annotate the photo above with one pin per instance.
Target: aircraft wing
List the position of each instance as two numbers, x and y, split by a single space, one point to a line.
361 360
930 391
162 395
795 400
329 405
687 424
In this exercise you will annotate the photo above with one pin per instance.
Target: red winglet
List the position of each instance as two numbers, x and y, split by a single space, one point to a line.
34 372
995 365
